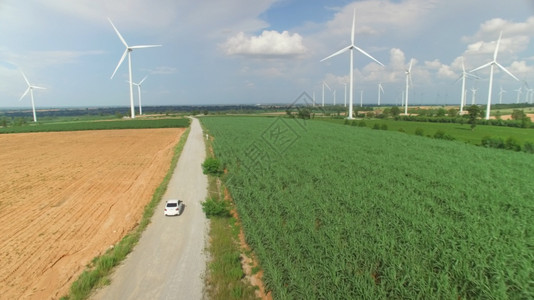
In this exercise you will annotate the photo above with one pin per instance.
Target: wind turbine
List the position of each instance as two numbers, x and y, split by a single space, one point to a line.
351 47
501 91
408 73
491 64
361 98
518 94
139 92
30 89
464 75
473 95
128 51
334 93
380 90
324 83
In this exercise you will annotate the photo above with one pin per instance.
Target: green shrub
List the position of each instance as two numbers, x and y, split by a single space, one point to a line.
212 166
362 124
490 142
384 127
512 144
376 126
402 130
215 208
419 132
528 147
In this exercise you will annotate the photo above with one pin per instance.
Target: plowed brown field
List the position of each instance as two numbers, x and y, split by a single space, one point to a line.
66 197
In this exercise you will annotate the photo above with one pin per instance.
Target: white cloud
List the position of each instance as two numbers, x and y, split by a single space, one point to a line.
268 44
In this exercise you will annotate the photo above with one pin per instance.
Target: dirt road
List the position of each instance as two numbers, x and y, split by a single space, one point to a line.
169 261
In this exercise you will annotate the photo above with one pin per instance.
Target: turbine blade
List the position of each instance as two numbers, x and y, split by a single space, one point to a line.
338 52
367 54
504 69
144 46
463 65
120 62
26 79
381 88
327 85
410 67
25 93
497 47
353 26
482 67
118 33
140 82
38 87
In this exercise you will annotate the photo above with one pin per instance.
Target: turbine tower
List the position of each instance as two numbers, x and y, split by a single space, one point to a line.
491 64
345 84
518 94
408 73
324 83
380 90
128 51
351 48
30 89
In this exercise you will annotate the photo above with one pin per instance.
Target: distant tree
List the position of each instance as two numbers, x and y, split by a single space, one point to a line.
518 114
441 112
474 112
453 112
371 114
395 111
304 113
386 112
3 122
205 112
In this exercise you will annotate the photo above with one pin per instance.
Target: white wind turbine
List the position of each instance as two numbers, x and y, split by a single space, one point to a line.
139 92
408 73
30 89
501 91
345 84
380 90
518 94
491 64
334 94
464 75
325 84
361 98
473 95
128 51
351 47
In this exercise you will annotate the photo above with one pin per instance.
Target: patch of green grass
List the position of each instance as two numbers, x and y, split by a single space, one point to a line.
96 275
98 125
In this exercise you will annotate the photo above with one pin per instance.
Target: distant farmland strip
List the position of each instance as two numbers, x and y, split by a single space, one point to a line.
340 212
99 125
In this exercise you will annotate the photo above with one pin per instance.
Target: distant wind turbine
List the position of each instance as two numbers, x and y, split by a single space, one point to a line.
128 51
139 92
345 84
491 64
501 91
380 90
325 84
473 95
518 94
361 98
464 75
351 48
334 94
408 73
30 89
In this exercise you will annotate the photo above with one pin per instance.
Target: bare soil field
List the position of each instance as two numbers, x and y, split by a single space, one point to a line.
66 197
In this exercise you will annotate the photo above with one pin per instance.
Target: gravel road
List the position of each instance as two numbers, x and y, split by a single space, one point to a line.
169 261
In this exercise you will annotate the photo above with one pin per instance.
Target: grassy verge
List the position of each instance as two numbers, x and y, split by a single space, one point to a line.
96 274
225 278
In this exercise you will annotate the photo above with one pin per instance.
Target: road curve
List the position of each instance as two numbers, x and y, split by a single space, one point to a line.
169 260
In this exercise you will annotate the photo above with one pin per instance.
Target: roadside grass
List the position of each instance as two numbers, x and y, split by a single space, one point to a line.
96 274
460 132
224 278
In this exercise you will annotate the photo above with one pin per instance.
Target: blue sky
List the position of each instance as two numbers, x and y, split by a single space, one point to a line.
263 51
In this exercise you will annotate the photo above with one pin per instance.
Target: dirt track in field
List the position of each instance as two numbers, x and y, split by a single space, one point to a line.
66 197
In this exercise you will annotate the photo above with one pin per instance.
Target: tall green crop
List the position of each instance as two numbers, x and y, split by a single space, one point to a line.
347 212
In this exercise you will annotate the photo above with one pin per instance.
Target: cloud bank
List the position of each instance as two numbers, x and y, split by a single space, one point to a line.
269 44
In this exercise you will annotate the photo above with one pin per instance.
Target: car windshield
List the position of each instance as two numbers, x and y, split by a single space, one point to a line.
172 204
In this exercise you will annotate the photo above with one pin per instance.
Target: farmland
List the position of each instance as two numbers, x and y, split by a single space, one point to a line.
342 212
66 197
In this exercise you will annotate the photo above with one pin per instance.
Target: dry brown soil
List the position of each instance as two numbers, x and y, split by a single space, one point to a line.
66 197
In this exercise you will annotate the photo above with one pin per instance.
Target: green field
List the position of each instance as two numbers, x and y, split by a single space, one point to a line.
98 125
343 212
461 132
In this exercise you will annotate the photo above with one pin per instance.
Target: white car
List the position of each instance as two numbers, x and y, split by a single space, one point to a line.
173 207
